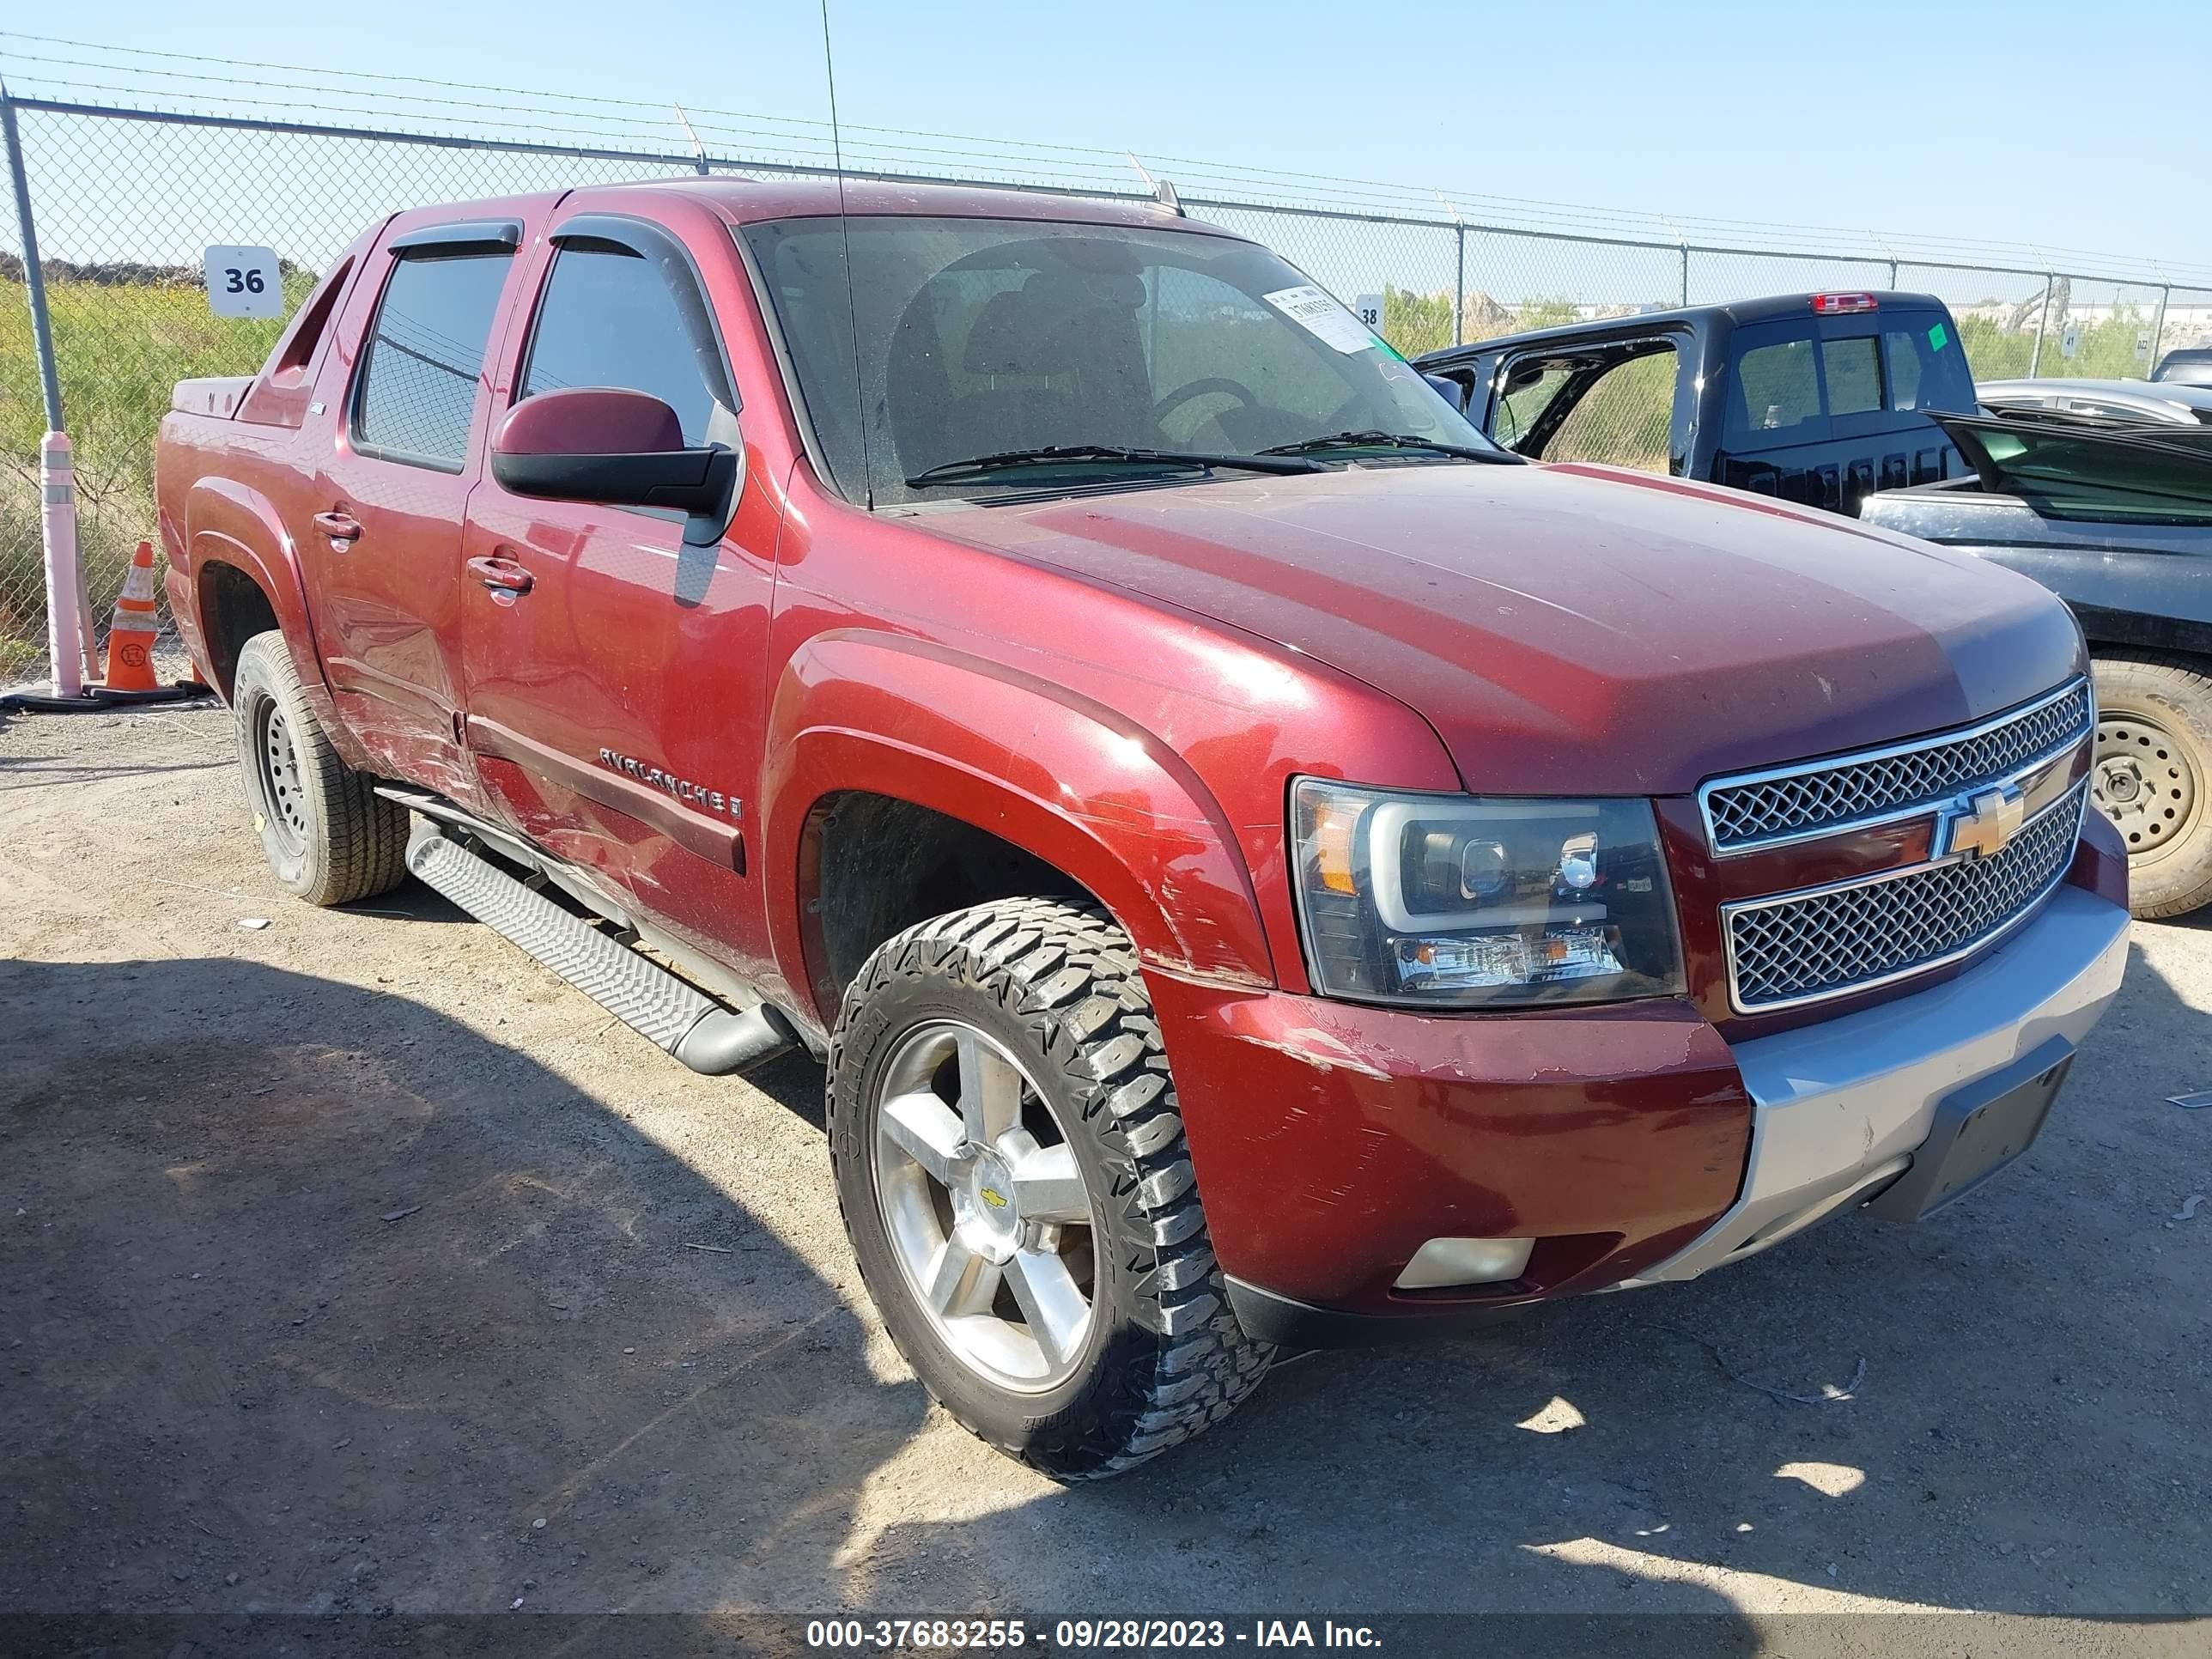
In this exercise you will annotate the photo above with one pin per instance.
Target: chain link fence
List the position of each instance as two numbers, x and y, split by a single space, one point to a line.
124 202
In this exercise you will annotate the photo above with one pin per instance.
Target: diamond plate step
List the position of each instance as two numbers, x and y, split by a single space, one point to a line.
645 996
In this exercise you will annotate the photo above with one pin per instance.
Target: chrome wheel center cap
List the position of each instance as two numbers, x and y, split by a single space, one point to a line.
984 1212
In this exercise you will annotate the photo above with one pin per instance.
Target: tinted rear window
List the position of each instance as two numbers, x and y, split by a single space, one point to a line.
1795 374
1854 379
1776 386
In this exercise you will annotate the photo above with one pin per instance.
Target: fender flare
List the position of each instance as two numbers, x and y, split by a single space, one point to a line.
228 523
1075 784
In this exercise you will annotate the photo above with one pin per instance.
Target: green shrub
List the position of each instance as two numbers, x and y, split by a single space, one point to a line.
120 348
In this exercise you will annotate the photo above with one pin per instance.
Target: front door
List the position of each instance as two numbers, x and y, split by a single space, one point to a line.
614 671
383 545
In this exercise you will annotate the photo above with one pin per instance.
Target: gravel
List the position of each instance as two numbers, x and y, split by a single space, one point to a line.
616 1355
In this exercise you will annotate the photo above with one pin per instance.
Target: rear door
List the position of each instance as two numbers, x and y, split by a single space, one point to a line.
615 702
381 548
1826 409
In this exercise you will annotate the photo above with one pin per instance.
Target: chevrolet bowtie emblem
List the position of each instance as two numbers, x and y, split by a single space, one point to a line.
1979 825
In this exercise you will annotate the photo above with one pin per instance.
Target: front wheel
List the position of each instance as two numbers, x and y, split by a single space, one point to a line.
2152 776
1009 1161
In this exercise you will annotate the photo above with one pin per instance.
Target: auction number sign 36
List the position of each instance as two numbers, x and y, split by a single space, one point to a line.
244 281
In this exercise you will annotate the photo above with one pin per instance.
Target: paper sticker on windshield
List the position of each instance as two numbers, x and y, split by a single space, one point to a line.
1322 317
1939 336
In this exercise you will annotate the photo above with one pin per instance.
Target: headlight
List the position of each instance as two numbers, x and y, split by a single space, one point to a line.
1467 902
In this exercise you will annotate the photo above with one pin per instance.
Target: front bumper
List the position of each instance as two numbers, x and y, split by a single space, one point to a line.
1840 1107
1332 1141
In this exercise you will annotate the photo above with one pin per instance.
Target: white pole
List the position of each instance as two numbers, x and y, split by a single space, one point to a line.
65 633
66 644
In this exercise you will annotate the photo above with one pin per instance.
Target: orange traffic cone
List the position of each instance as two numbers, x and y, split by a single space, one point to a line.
130 636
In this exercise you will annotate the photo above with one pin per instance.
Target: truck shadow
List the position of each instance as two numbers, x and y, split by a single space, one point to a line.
316 1300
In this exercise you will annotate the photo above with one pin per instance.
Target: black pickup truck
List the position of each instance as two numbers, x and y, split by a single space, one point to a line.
1862 403
1813 397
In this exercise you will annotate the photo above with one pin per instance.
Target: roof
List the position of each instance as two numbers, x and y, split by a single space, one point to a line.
1734 313
745 201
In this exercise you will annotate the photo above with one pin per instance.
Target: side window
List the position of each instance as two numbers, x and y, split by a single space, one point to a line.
1925 368
610 318
2108 411
1853 376
1626 417
419 374
1778 386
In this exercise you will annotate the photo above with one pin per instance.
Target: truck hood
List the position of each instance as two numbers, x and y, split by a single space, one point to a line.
1576 630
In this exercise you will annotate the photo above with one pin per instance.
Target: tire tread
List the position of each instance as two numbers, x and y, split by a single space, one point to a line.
1069 972
364 837
2182 680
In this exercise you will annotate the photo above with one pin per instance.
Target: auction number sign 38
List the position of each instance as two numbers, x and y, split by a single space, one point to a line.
244 281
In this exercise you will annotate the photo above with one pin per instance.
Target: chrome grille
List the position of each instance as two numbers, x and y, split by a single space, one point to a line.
1820 797
1831 940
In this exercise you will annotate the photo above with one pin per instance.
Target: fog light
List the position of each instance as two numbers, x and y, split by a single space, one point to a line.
1443 1262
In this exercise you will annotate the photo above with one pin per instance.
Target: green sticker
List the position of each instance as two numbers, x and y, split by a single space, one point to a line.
1937 337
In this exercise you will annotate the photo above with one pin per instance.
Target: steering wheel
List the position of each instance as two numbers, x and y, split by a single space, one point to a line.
1200 388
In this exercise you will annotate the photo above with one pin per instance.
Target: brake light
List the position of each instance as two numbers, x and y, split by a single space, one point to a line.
1834 304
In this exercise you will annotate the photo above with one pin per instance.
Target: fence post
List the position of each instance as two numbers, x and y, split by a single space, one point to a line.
2158 329
1459 287
1685 273
698 150
66 634
2042 319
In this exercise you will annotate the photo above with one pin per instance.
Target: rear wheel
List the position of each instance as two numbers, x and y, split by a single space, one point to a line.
328 837
2152 776
1010 1160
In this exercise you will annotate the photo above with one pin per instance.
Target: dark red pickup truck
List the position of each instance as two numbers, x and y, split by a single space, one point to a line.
1262 866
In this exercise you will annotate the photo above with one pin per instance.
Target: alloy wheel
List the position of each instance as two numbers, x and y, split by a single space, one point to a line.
985 1205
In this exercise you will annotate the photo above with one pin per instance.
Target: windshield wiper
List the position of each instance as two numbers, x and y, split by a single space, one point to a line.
980 466
1390 440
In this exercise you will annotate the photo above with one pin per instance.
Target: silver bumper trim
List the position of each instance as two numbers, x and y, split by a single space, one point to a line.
1839 1107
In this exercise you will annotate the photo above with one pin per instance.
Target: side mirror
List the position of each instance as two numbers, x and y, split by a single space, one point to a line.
624 448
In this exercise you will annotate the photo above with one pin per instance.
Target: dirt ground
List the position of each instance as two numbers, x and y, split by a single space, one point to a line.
353 1263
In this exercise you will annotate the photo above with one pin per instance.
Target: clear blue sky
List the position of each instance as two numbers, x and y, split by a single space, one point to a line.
1922 119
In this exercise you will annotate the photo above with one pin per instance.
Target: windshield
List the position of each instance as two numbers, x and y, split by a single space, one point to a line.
982 336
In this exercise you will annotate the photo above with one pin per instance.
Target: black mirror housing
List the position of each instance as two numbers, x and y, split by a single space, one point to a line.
619 447
695 481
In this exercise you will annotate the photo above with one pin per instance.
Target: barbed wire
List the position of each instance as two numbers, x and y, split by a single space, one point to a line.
52 65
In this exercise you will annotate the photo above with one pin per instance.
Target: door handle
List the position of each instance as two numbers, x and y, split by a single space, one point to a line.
340 526
501 575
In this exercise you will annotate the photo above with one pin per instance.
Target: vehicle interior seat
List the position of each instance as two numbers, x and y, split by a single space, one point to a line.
1057 360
